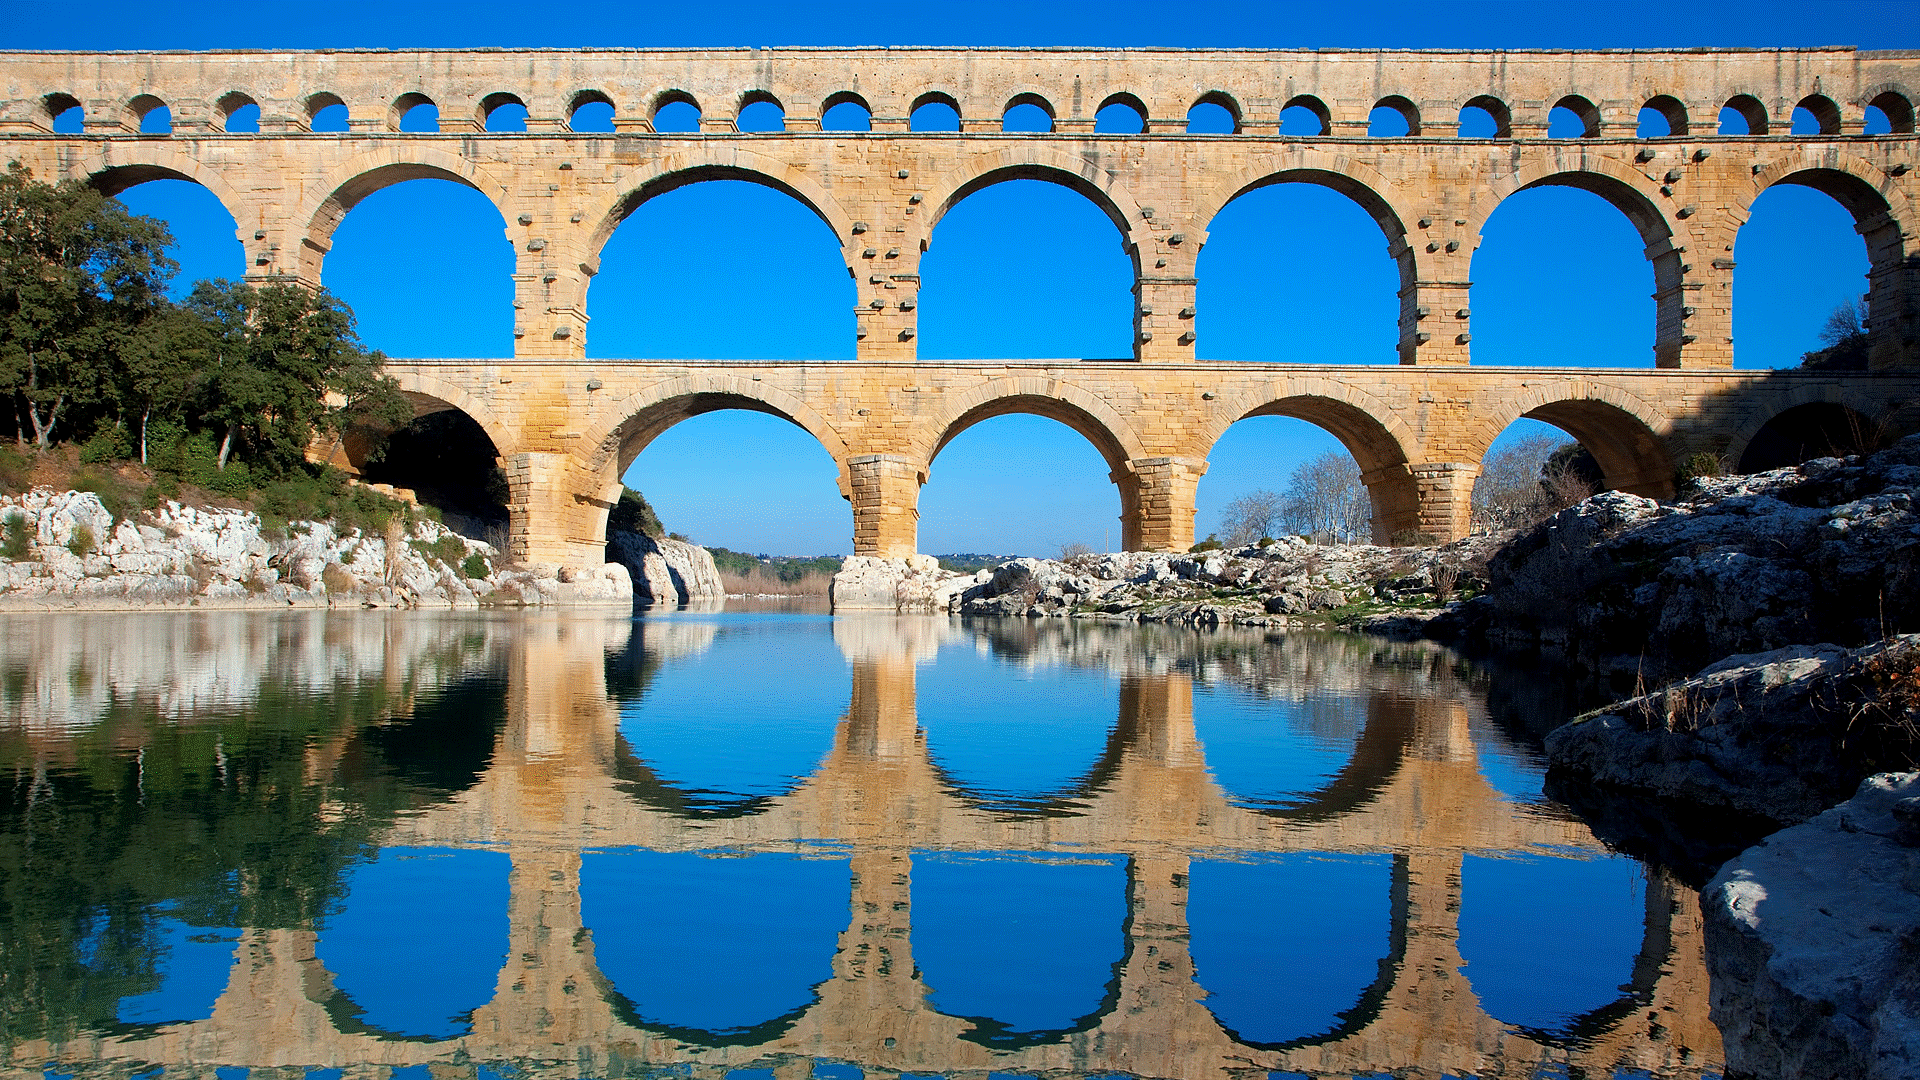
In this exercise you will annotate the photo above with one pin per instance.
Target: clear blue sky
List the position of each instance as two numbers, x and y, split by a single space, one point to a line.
1290 272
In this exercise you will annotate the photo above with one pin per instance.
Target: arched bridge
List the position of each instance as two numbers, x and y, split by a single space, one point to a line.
565 426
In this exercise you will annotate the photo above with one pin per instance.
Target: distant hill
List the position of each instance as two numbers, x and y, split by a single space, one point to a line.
967 562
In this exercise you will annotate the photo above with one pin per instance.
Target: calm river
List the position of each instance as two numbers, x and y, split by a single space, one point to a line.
786 845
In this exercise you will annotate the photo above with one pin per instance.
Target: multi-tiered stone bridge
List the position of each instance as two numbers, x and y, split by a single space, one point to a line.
566 426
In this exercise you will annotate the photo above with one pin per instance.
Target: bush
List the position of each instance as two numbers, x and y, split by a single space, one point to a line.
1211 543
18 540
81 542
1413 538
16 471
337 579
1699 465
108 443
474 566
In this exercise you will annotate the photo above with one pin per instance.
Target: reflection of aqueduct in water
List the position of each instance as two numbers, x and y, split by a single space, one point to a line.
563 782
566 427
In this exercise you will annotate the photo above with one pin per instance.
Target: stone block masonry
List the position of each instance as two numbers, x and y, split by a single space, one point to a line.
1417 429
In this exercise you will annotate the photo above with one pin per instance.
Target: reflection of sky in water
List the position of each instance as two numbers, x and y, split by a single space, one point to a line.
194 963
1283 945
1011 734
752 715
1548 939
1270 751
418 942
1029 946
714 944
1512 770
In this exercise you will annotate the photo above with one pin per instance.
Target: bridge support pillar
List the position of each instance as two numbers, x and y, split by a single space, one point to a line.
1163 315
1157 503
549 520
1893 302
1435 323
1445 491
885 492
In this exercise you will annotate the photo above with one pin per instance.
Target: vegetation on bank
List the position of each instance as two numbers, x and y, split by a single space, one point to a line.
114 388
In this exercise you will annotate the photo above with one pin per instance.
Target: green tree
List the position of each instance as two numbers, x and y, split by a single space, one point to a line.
159 373
76 271
280 363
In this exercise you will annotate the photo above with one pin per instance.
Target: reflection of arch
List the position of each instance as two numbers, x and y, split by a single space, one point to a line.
721 162
1377 755
635 777
1621 431
1037 163
328 202
1040 395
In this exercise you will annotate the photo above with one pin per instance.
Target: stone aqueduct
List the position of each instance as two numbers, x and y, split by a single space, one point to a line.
565 426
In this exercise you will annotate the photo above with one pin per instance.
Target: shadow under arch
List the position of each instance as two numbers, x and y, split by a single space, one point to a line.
679 170
1377 439
1623 433
329 202
352 450
1826 426
1636 197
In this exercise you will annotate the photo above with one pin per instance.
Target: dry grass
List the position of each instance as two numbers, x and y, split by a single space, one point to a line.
763 582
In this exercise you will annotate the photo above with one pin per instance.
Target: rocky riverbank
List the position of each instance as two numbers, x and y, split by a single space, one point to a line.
1285 583
66 550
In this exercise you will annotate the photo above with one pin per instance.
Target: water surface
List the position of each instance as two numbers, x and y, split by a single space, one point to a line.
789 845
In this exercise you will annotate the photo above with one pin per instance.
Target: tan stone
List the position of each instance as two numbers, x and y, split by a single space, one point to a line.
1418 431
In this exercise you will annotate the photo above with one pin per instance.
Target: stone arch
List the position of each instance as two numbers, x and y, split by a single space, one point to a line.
1371 191
1672 110
1127 100
113 168
1403 105
328 202
425 389
1224 100
1882 214
1380 441
1895 100
1751 109
1568 163
405 104
1495 108
1314 105
1031 97
1580 106
622 429
232 102
1885 420
1040 395
1625 434
1099 186
717 162
1823 110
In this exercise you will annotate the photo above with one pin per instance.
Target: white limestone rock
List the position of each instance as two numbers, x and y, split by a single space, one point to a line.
1813 942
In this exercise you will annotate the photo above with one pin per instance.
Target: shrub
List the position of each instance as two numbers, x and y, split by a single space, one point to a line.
1211 543
337 579
1699 465
18 540
108 443
1413 538
116 494
81 542
16 471
474 566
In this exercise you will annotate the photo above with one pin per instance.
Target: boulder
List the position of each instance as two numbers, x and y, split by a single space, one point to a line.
912 584
1813 943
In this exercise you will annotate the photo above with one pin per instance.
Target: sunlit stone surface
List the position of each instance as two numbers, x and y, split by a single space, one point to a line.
874 846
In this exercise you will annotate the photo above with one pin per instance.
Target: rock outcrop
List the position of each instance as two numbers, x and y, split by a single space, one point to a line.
78 556
913 585
1781 734
1813 941
1824 551
667 571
